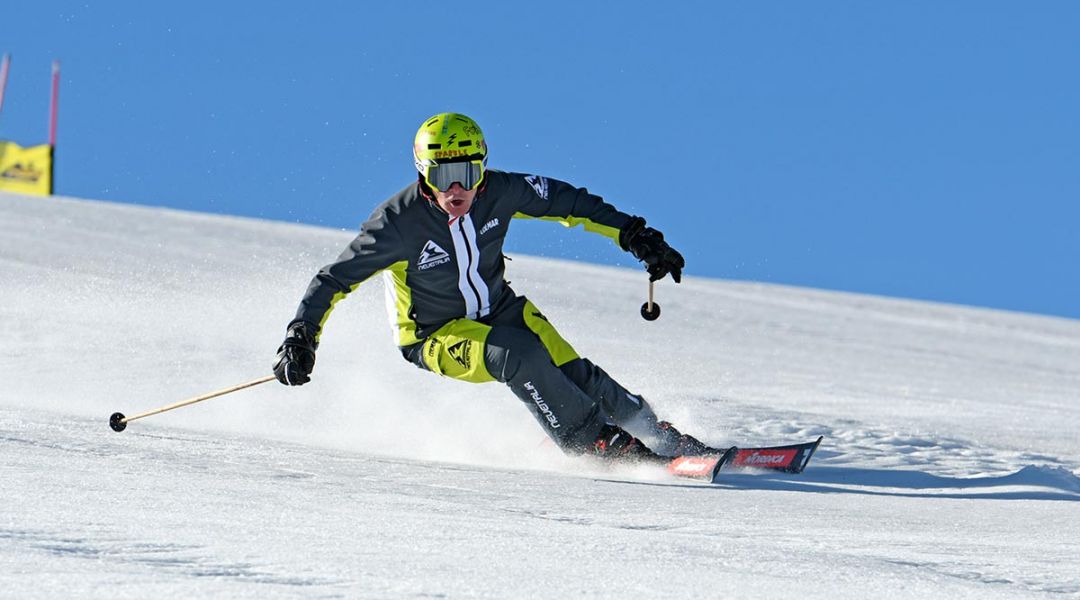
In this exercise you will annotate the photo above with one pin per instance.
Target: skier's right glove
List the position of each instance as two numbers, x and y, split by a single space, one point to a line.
648 246
296 355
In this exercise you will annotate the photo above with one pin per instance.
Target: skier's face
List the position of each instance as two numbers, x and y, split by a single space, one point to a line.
456 201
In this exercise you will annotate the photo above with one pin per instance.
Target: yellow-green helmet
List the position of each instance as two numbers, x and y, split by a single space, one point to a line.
449 148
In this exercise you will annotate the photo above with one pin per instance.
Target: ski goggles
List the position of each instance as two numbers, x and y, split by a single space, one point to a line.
441 176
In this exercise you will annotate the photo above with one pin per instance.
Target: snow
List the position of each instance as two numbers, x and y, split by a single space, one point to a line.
949 466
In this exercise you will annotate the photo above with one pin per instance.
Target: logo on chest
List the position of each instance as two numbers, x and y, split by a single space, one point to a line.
432 256
489 226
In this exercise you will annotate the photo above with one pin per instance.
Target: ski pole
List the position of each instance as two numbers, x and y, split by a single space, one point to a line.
119 422
650 311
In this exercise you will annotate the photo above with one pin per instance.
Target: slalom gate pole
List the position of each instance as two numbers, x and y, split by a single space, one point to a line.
119 422
5 64
54 107
54 101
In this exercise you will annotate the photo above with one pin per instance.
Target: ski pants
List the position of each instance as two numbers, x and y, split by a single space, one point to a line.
570 396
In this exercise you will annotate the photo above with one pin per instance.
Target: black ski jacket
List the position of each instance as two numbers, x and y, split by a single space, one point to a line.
437 269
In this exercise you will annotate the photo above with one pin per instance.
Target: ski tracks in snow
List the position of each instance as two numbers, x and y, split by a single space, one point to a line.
868 458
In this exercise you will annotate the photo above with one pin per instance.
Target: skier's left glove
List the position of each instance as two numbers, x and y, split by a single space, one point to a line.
296 355
648 246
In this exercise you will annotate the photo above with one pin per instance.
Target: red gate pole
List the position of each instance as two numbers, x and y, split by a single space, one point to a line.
54 105
4 65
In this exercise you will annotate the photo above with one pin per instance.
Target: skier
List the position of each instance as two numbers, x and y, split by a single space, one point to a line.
438 244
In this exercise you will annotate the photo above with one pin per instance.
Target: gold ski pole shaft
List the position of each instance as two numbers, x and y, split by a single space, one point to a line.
119 422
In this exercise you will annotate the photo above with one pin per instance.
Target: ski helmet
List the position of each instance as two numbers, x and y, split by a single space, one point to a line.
449 148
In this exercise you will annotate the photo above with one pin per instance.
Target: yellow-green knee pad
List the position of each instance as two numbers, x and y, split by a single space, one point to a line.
457 350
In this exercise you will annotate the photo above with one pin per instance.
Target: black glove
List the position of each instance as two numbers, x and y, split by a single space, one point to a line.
648 245
296 356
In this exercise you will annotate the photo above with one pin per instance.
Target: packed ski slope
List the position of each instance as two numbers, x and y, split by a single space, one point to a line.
949 466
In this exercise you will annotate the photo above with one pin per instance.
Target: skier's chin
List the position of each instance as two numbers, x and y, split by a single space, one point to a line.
457 207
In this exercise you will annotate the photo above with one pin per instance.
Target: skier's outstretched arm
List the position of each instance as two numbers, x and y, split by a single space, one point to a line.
551 199
375 248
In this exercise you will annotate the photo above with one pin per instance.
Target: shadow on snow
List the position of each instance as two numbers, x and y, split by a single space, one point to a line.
1058 483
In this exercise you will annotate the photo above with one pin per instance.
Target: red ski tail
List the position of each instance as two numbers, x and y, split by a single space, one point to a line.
700 467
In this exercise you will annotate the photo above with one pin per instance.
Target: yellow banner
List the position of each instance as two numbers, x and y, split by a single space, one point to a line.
25 170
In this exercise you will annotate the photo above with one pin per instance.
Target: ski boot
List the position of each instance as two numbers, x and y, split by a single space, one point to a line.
681 444
614 444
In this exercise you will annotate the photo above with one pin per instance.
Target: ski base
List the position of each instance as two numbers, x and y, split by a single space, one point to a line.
792 458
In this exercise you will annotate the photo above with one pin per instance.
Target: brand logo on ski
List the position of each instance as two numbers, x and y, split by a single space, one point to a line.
544 408
765 458
460 352
539 184
693 466
432 256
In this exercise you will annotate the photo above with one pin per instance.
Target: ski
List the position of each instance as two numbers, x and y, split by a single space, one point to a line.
705 466
792 458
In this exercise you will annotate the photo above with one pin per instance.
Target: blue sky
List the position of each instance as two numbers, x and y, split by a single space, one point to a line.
918 149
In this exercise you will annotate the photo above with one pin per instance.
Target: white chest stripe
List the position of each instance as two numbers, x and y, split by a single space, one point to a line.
390 296
470 284
474 268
